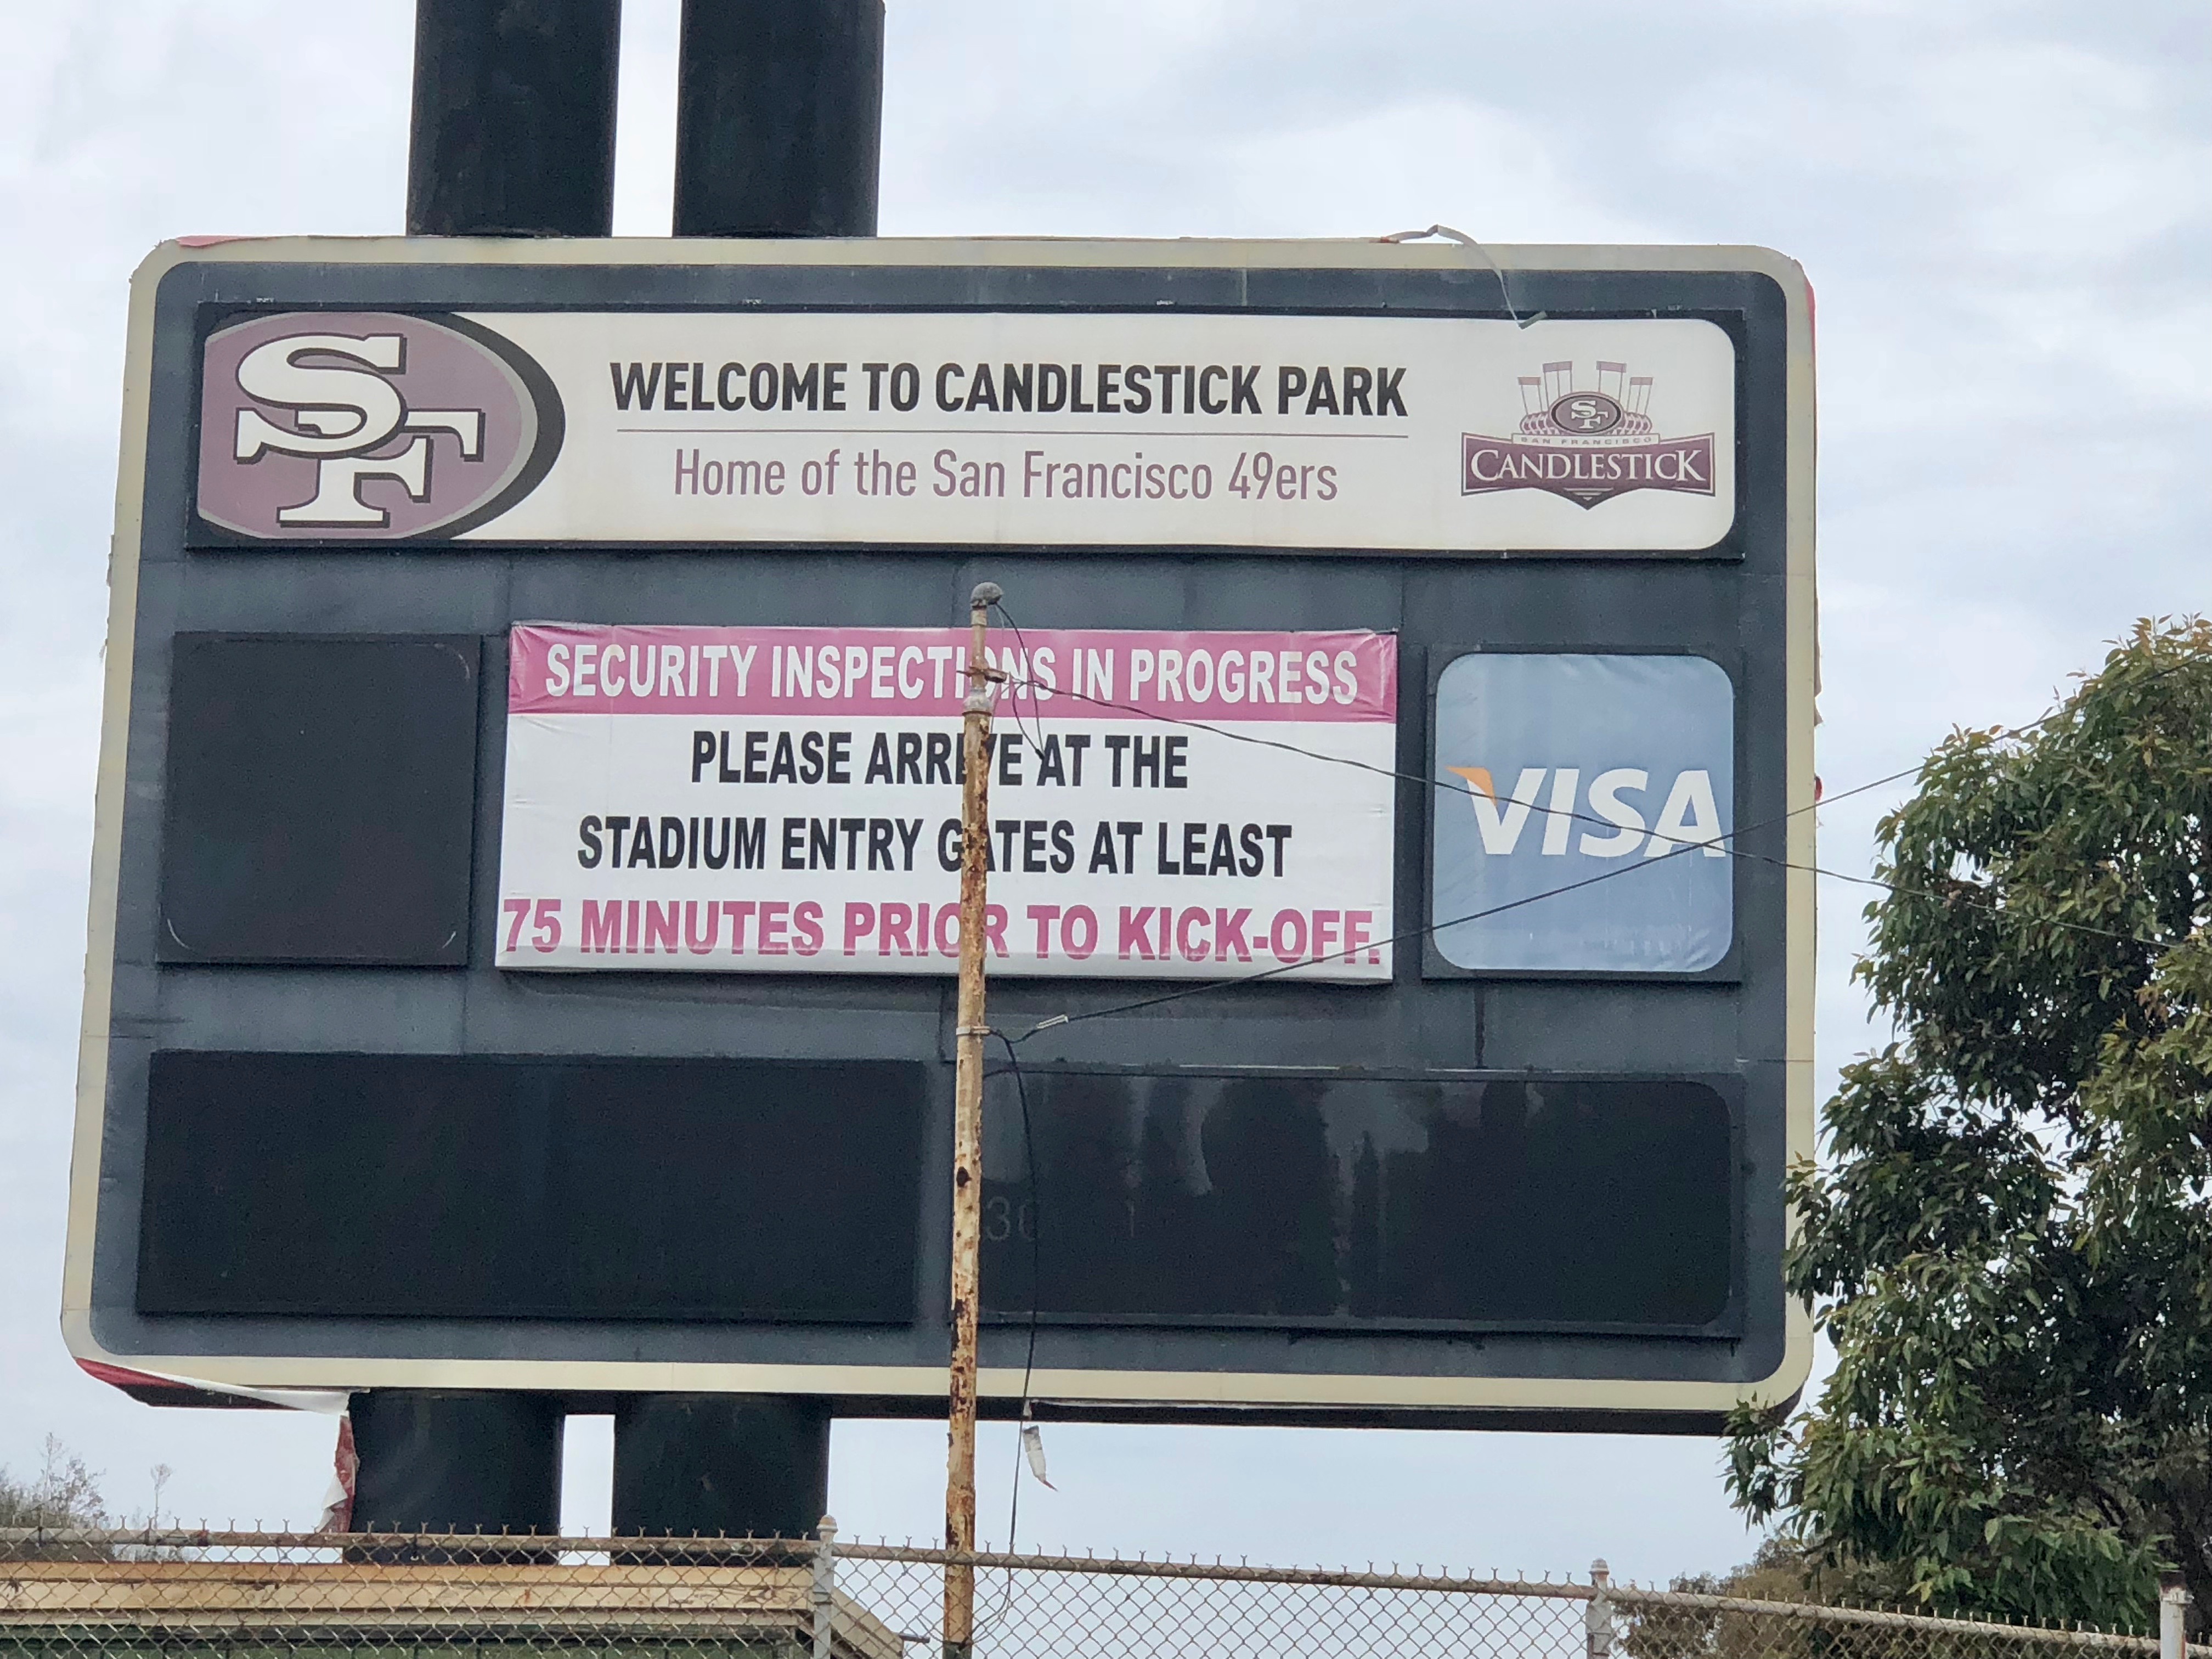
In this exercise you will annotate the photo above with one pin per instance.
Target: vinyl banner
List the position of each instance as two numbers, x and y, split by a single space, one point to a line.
1584 811
972 429
1163 805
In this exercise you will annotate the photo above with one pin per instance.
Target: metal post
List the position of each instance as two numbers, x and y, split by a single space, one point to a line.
728 1465
513 125
779 117
826 1584
968 1136
1597 1617
450 1461
2173 1617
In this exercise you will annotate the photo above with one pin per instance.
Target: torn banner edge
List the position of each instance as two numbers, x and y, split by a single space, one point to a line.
156 1389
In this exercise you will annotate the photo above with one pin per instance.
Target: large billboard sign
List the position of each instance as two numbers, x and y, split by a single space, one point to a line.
524 895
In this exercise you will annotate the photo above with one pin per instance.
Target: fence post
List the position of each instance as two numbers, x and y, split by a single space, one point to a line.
1597 1617
825 1585
2173 1617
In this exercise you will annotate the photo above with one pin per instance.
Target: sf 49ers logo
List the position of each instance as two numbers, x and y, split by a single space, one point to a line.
350 426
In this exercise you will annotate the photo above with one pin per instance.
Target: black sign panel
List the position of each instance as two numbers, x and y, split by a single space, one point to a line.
391 1186
1363 1204
320 792
1531 1170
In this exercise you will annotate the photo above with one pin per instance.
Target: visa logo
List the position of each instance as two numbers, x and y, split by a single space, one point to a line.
1687 815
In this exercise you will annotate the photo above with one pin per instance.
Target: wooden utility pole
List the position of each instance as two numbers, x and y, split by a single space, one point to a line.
968 1135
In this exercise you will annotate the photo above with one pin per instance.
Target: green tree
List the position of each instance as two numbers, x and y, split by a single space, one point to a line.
1777 1572
2009 1245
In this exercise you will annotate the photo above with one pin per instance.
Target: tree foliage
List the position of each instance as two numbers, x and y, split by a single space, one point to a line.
1778 1572
2009 1242
64 1493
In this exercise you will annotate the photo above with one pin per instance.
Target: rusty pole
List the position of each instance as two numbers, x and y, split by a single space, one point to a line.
968 1136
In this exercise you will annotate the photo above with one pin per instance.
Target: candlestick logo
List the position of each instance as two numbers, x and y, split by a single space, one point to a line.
351 426
1587 444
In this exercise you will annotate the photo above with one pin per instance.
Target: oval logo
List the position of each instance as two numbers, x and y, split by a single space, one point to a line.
320 426
1586 414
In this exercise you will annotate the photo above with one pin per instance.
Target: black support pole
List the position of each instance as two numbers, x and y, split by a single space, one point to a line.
512 134
720 1464
779 132
779 117
437 1460
513 128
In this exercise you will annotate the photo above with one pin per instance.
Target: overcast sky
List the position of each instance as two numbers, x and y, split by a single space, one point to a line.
2004 210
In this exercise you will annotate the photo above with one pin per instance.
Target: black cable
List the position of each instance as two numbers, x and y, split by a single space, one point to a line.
1013 701
1292 967
1427 928
1033 686
1010 1043
1719 842
1567 812
1036 1267
1029 1152
1036 1284
2000 733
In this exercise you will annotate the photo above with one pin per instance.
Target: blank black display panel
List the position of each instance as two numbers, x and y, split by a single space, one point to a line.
432 1186
320 795
1552 1204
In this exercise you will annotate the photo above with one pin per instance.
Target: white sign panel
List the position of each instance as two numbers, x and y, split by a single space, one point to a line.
1401 433
1163 805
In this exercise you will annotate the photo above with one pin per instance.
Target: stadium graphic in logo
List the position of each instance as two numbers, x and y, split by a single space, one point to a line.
318 425
1587 444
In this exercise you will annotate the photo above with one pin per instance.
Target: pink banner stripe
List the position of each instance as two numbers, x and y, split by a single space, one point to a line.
557 668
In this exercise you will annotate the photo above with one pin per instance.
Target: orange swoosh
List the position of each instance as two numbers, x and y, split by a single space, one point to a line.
1478 777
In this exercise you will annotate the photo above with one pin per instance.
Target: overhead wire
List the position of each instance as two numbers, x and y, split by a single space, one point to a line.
1015 685
1036 1284
1036 686
1405 937
1029 1145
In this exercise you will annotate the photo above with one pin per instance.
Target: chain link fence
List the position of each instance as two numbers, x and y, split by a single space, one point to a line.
255 1596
